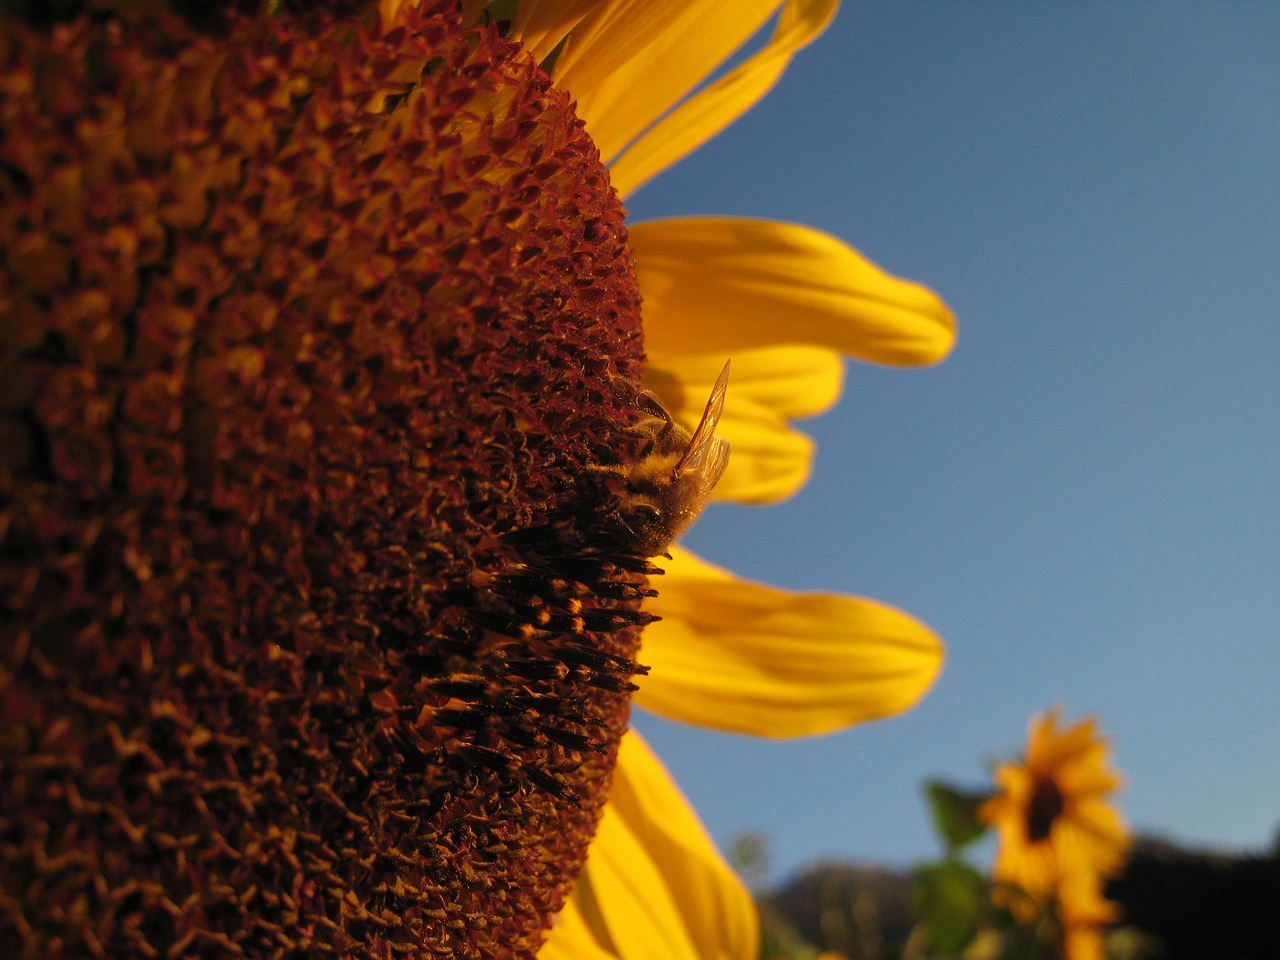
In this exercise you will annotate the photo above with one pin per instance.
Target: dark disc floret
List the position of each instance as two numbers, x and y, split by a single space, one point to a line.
310 641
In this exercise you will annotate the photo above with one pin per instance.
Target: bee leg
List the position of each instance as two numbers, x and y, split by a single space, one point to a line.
651 405
616 469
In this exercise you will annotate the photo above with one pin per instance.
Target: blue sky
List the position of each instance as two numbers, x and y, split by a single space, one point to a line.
1082 500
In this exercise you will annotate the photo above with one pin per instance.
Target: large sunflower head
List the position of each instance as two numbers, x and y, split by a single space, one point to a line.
1059 836
320 355
314 641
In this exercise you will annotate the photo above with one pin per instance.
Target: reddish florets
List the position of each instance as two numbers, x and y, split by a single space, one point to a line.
310 643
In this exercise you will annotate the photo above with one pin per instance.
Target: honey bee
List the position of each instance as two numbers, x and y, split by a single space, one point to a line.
670 474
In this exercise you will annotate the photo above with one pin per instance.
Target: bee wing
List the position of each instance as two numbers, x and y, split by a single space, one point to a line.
716 460
708 454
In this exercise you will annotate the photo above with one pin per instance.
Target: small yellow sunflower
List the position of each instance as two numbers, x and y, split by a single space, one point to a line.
1059 836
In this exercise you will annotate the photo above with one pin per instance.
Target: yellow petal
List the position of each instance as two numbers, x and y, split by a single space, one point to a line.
629 61
767 386
654 884
541 24
718 285
574 937
709 111
390 11
791 381
769 462
747 658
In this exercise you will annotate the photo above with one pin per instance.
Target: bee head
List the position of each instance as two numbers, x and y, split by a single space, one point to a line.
645 527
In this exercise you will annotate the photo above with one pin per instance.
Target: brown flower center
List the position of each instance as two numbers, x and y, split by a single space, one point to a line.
311 641
1044 809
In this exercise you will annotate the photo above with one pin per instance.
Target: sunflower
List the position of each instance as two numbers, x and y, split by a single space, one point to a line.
1059 837
313 322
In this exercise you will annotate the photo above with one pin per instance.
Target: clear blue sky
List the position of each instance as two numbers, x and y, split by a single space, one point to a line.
1083 499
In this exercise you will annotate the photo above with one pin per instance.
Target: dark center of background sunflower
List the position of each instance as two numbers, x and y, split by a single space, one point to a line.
311 643
1044 809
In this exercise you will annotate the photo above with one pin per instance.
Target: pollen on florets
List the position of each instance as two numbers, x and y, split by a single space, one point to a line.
307 646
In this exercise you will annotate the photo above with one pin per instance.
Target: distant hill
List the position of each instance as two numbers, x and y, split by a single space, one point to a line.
862 912
1196 904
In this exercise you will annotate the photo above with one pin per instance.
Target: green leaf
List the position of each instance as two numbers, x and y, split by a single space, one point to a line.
955 814
501 12
949 899
548 64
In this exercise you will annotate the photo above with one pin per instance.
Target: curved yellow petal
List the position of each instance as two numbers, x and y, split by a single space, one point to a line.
542 24
770 461
747 658
790 380
709 111
654 884
629 61
718 285
574 936
767 386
